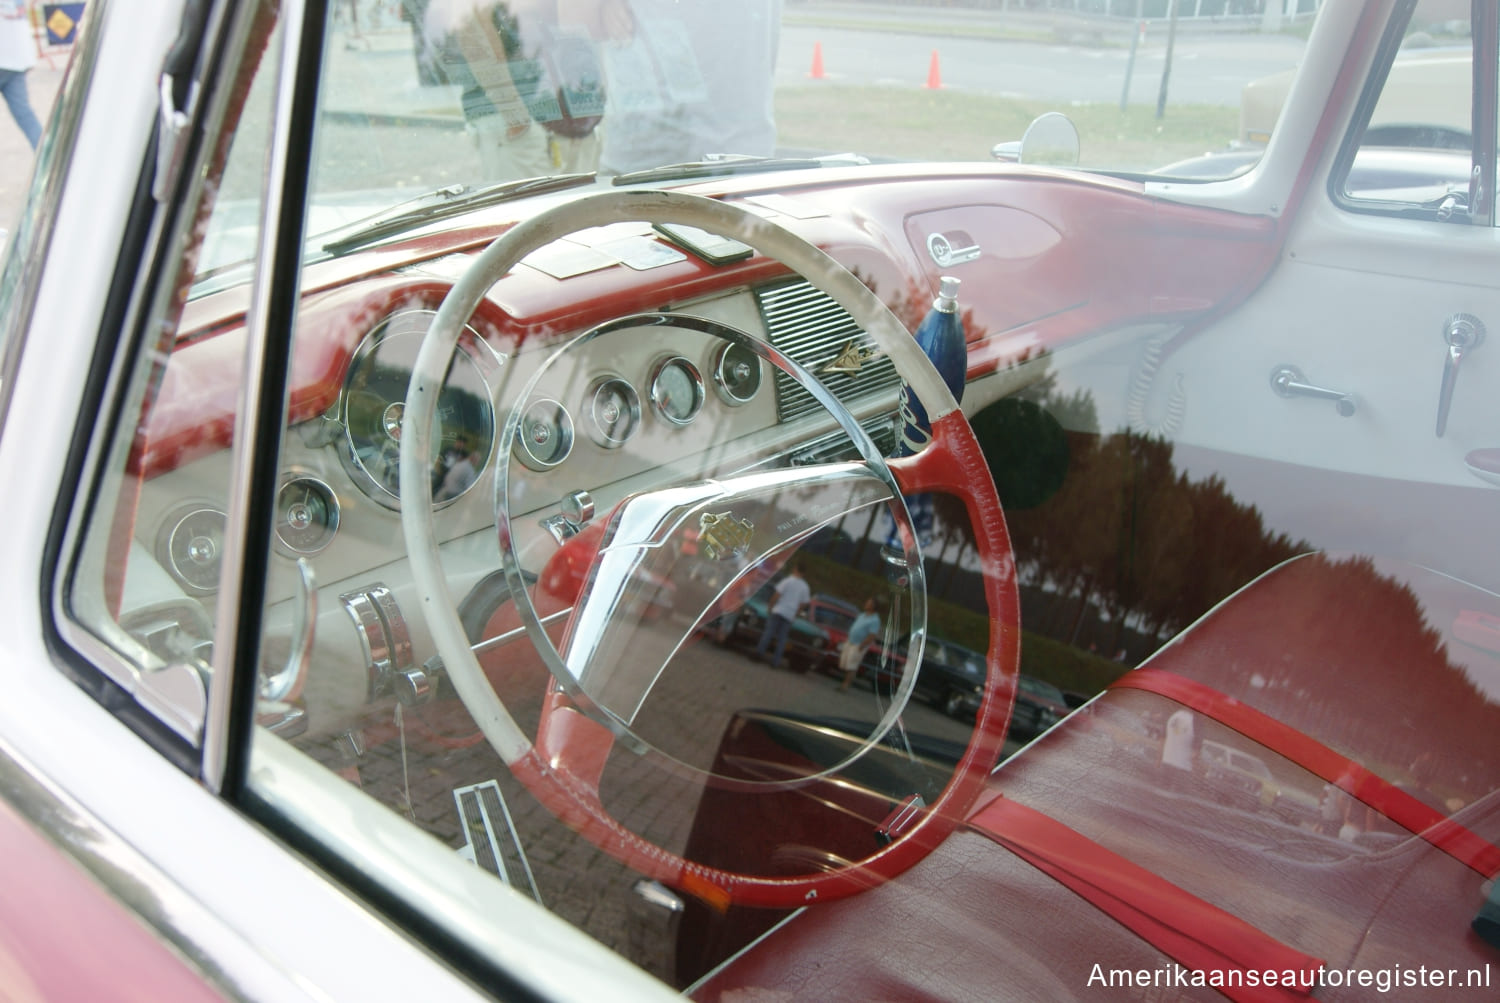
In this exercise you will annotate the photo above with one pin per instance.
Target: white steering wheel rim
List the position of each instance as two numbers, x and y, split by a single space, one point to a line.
439 607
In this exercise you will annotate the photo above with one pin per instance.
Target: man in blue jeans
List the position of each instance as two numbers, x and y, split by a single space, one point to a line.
17 55
788 599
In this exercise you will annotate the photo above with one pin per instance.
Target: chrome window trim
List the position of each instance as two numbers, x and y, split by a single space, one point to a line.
220 729
1376 78
117 655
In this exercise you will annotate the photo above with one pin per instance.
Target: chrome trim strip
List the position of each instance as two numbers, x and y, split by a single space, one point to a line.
117 655
121 871
218 727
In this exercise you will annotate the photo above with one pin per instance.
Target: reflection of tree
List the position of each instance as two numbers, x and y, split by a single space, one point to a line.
1107 523
1348 654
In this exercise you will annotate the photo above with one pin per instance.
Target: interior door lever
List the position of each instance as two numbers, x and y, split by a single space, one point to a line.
1463 333
1288 381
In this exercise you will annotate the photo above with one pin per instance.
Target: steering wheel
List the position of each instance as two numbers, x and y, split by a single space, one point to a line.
562 767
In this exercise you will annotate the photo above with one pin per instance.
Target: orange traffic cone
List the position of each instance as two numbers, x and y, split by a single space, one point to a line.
816 73
934 75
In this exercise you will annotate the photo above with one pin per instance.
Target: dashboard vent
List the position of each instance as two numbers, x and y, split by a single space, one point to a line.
807 325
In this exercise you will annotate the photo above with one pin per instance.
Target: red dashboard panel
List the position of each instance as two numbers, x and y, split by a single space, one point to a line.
1055 262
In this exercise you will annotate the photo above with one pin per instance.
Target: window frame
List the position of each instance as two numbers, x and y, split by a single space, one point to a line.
1484 115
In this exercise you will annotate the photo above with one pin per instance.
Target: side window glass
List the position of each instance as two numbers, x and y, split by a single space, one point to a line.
141 593
1417 150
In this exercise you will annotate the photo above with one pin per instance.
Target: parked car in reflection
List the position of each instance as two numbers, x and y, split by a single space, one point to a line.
951 677
1039 705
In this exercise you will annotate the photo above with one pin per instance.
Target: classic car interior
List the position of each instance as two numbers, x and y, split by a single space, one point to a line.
474 493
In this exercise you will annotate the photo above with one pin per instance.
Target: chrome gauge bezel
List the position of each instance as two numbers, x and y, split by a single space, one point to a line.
660 401
602 430
304 481
413 324
723 386
561 422
203 579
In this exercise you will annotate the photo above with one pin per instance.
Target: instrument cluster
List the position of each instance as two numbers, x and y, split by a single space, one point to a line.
634 393
623 392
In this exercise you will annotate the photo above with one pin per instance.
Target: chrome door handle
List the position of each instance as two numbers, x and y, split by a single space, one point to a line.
1462 333
1288 381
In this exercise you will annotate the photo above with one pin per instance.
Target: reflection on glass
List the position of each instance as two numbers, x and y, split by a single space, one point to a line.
374 406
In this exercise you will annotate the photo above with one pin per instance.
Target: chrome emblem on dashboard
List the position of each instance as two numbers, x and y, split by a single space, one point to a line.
952 248
850 358
722 536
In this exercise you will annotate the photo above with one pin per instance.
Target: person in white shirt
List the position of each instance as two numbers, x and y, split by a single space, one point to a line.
694 78
17 55
788 599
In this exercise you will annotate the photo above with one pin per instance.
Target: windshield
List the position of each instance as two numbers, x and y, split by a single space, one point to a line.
427 101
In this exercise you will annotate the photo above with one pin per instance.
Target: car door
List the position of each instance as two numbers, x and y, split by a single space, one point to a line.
177 170
1358 374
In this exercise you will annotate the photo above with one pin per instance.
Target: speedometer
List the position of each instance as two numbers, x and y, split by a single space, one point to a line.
374 404
677 390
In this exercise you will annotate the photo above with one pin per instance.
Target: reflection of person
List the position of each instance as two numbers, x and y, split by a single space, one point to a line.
1178 747
17 56
460 475
696 78
1331 810
861 635
532 79
788 599
1356 820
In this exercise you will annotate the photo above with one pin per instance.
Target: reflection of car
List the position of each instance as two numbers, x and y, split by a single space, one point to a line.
807 644
1039 705
280 726
1126 730
1242 775
834 616
951 677
1246 781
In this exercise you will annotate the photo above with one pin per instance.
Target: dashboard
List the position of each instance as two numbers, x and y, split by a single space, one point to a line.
571 392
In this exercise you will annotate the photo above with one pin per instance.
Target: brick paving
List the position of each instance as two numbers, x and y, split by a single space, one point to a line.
573 877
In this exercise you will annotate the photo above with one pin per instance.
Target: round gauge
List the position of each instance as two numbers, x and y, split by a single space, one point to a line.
737 374
545 436
614 411
677 390
191 545
307 515
374 404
